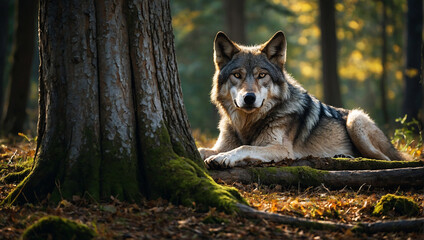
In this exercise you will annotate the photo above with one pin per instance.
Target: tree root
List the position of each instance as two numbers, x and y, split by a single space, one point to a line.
408 225
306 176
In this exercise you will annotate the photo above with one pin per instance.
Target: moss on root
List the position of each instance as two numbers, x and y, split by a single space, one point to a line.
52 227
398 205
182 181
289 175
16 176
368 164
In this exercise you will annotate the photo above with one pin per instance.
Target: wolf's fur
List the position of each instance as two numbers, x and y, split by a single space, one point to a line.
267 116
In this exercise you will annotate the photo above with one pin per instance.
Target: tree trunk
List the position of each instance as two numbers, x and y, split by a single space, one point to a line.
413 88
330 77
235 20
112 120
383 81
4 23
23 49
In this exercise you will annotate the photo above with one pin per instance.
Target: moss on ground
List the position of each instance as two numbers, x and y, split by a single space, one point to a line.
53 227
399 205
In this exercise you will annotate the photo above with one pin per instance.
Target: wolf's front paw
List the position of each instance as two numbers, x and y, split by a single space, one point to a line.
223 160
206 152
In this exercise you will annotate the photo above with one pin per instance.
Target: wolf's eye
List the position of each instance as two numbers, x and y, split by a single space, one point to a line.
261 75
237 75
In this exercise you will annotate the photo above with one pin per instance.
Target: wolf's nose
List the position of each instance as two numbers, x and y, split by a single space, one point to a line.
249 98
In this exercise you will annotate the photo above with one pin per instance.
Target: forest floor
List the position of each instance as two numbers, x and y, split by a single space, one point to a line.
160 219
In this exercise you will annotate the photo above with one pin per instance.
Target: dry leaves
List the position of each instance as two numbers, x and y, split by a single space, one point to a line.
160 219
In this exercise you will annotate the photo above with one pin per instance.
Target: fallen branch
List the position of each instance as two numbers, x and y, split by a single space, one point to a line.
347 163
306 176
409 225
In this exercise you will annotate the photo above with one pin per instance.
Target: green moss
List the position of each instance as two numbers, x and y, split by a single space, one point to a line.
188 184
367 164
16 176
307 175
13 195
119 171
289 175
181 180
398 205
83 175
52 227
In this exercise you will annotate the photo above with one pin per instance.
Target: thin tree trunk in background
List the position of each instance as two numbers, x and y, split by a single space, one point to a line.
330 77
383 81
4 23
422 89
23 52
235 20
413 88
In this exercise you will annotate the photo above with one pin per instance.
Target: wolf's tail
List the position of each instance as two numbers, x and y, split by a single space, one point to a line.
369 139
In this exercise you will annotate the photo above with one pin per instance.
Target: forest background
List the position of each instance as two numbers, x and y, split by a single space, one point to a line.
370 61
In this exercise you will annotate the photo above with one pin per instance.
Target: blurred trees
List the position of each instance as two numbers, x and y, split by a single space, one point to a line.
22 56
4 22
358 29
359 44
412 101
330 77
383 80
235 20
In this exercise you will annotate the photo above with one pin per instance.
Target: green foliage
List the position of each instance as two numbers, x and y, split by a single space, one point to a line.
409 137
29 139
397 205
52 227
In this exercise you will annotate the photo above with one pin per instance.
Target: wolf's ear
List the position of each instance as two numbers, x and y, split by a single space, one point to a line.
275 49
224 50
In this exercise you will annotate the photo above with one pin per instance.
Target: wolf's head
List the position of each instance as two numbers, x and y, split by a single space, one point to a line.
248 78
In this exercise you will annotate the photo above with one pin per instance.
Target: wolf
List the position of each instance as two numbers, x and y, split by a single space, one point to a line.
266 115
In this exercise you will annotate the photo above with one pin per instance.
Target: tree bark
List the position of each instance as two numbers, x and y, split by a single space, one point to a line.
331 85
4 23
413 88
235 20
23 49
306 176
112 120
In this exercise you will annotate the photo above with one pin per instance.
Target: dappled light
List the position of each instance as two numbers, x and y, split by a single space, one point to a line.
229 119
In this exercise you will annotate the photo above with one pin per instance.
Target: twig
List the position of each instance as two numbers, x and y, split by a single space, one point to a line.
360 188
11 158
